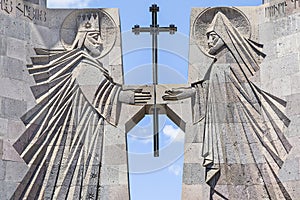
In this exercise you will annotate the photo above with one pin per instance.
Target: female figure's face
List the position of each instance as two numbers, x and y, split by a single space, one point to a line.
93 43
215 43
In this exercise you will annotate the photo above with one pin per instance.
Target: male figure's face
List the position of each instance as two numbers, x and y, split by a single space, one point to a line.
93 43
215 43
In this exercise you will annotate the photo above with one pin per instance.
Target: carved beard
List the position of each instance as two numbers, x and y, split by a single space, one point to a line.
94 50
219 46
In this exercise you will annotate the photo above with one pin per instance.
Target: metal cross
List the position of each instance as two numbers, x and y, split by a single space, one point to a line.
154 30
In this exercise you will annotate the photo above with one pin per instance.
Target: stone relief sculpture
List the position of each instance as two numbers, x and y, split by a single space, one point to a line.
75 94
243 139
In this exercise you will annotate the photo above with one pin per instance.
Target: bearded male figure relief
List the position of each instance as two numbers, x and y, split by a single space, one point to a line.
76 96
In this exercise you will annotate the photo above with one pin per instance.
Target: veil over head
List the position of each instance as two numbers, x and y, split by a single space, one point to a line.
244 51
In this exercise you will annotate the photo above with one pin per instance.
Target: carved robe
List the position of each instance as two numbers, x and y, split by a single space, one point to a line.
243 140
62 144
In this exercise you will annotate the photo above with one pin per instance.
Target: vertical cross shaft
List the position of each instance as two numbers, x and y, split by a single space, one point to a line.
154 9
154 30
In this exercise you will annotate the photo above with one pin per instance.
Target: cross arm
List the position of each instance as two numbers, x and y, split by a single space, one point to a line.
137 29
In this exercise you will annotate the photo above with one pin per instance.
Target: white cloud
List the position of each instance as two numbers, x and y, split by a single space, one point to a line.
143 135
175 169
144 140
68 3
175 134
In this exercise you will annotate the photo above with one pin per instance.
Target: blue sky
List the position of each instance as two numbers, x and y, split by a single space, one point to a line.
154 178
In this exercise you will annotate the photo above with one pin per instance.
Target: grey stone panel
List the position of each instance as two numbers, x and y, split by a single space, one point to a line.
12 108
193 174
15 28
7 189
293 107
3 129
115 155
119 192
110 175
294 127
2 170
11 169
12 68
16 48
3 45
290 170
33 1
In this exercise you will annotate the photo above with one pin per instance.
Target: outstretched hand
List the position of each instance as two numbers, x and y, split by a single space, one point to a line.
179 93
134 96
141 97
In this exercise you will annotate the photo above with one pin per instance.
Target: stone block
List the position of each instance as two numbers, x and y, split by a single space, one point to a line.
3 127
1 149
295 82
293 107
16 48
15 28
239 174
123 174
9 152
294 153
282 86
2 169
8 189
288 45
195 192
12 108
3 45
15 129
266 30
293 188
33 1
115 57
256 192
15 171
294 127
119 136
285 26
192 153
44 36
115 155
118 192
109 175
194 133
193 174
290 170
12 68
284 66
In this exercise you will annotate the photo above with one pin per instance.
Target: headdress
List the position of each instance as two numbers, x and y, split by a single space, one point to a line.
88 22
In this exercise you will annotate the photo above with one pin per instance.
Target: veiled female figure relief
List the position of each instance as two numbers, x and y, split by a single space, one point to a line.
243 141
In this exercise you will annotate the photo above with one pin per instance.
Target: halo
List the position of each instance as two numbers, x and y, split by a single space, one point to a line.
108 30
203 20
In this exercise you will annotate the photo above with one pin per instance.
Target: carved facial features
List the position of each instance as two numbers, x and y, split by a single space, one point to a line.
215 43
93 43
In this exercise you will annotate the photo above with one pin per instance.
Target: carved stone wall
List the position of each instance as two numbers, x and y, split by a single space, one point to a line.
265 166
280 75
26 26
275 25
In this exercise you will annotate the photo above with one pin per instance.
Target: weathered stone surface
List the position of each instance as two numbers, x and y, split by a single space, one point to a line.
118 192
232 144
12 108
193 174
11 167
244 164
110 175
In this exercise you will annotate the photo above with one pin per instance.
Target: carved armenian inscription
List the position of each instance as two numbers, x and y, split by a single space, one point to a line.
33 13
281 8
